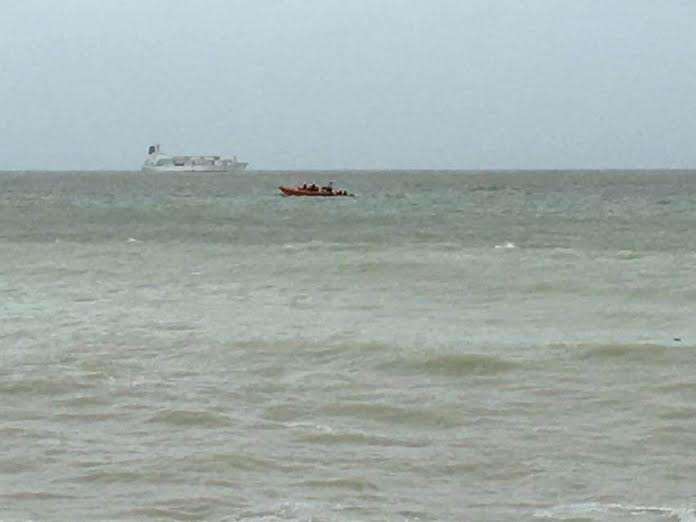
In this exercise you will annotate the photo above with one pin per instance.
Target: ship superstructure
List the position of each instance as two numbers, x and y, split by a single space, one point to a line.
159 162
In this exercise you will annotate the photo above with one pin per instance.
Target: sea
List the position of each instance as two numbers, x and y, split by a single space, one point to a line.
444 346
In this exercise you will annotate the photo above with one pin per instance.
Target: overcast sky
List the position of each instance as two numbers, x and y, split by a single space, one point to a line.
293 84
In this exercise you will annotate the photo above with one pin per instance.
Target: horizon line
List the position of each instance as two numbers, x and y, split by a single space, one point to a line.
378 169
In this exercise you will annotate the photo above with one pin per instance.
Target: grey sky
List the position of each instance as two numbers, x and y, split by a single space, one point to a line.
89 84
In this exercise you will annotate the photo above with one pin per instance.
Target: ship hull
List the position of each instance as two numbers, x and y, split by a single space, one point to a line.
240 167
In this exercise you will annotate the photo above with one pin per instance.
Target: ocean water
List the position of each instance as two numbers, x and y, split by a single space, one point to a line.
445 346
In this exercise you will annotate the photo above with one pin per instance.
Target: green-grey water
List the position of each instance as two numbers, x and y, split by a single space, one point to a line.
444 346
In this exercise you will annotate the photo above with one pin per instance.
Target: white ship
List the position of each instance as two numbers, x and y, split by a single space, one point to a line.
158 162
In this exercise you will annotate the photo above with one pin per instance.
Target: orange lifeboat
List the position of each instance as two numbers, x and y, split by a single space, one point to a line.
326 192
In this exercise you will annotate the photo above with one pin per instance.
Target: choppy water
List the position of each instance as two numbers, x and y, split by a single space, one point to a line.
446 346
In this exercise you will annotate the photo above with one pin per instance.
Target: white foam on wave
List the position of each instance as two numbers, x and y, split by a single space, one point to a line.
685 514
571 511
289 511
322 428
627 255
565 251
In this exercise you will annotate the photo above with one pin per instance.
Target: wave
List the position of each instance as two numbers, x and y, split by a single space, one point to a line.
352 484
453 365
50 386
229 462
328 350
331 246
633 352
197 508
628 255
391 358
677 413
423 417
488 188
34 495
15 466
681 386
191 418
79 418
358 439
285 511
599 511
127 477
